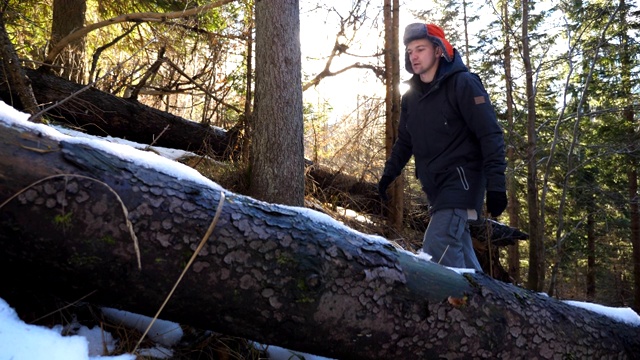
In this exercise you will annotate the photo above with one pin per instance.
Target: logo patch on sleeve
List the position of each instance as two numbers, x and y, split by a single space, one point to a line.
479 100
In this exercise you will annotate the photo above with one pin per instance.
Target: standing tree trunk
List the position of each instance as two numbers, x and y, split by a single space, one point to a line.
633 208
512 184
591 250
392 102
16 77
535 280
277 151
68 16
246 136
632 173
467 50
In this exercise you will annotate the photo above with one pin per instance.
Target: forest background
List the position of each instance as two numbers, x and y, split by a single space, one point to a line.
562 75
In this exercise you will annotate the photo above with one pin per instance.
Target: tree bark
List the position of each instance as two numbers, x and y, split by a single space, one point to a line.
392 108
591 253
629 115
277 149
16 79
513 207
68 16
536 276
274 274
248 102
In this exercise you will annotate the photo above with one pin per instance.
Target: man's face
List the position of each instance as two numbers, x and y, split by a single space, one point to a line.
424 56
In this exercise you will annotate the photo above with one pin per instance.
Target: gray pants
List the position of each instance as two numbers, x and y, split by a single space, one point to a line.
448 240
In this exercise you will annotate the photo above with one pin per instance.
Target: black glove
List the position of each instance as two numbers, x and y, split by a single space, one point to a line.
384 183
496 202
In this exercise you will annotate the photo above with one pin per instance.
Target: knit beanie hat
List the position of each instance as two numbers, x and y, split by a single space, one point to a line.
431 32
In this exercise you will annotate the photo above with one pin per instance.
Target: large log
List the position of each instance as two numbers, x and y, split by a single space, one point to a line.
101 113
129 119
279 275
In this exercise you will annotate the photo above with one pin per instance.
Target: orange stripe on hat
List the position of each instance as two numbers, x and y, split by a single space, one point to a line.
435 31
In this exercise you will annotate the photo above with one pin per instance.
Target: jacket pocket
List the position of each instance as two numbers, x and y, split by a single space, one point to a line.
458 224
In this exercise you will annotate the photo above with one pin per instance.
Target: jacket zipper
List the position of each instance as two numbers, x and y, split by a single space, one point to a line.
463 178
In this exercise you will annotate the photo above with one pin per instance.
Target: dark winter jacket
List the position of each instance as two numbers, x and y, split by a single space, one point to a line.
459 153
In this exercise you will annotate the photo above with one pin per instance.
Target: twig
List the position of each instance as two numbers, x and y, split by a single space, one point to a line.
64 307
124 208
41 151
489 243
155 139
445 251
184 271
202 88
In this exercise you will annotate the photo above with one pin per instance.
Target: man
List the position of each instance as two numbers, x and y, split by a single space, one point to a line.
448 124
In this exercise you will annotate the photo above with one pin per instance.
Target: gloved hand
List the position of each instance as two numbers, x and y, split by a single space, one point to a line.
384 183
496 202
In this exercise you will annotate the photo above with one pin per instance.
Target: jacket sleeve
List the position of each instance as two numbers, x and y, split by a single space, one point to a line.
402 148
480 116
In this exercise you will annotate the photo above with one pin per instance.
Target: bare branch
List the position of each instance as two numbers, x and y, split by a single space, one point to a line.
328 73
136 17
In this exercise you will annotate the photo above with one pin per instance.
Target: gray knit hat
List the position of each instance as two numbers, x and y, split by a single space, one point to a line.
431 32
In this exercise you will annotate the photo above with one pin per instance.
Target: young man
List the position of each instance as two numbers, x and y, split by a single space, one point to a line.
448 124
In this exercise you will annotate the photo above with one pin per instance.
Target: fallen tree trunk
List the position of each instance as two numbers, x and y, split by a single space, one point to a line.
121 118
129 119
279 275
